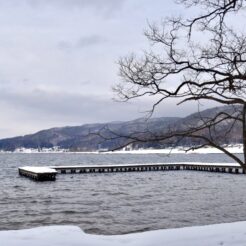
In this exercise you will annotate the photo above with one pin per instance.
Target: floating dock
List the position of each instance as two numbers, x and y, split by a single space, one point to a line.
38 173
49 173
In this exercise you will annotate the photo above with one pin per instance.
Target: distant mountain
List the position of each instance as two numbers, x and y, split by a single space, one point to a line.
81 138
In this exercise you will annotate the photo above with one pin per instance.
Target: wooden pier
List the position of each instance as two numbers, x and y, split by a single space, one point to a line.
49 173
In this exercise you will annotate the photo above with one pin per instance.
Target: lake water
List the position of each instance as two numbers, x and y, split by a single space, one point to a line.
117 203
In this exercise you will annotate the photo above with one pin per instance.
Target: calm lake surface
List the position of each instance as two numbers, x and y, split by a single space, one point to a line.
117 203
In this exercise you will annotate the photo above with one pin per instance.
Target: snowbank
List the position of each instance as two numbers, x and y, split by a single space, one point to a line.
221 234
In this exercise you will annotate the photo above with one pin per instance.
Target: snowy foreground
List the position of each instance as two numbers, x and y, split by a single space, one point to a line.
221 234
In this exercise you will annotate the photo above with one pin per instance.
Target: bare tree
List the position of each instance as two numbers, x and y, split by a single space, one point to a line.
192 65
214 12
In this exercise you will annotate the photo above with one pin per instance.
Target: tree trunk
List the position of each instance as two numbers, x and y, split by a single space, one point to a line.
244 136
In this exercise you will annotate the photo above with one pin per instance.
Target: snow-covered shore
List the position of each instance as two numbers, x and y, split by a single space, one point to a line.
235 149
233 234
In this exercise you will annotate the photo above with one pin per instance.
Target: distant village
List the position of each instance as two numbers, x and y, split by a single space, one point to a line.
234 148
55 149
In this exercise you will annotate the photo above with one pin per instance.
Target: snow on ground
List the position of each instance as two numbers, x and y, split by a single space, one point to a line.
235 149
229 234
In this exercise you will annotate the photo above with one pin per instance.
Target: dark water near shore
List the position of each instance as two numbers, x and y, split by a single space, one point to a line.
117 203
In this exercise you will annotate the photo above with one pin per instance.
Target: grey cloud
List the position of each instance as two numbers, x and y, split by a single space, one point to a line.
83 42
90 40
64 45
91 107
64 106
36 110
110 5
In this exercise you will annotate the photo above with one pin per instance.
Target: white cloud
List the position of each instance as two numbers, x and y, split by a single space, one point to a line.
58 60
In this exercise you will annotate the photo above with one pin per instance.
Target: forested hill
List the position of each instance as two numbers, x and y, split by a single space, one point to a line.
79 138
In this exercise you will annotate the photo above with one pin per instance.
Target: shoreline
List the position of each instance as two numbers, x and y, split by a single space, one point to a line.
235 149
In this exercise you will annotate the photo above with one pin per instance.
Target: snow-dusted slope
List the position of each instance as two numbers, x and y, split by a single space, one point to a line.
230 234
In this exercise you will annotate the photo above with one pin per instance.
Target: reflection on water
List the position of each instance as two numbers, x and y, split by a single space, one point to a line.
116 203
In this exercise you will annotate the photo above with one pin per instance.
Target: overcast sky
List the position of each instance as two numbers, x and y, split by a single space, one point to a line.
58 61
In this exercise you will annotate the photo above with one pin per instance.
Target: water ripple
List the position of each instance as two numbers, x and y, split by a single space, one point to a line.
121 202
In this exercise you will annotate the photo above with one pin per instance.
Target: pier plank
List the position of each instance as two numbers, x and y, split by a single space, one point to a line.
49 172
